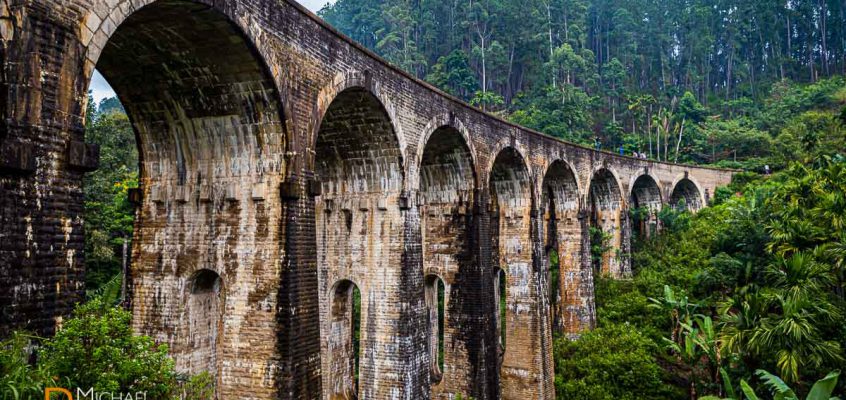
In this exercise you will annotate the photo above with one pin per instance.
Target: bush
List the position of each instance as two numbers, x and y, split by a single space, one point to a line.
18 378
96 349
610 362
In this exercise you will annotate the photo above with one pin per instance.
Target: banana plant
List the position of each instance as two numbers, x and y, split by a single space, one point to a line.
822 389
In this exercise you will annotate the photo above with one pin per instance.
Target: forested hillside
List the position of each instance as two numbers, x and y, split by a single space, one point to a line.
679 80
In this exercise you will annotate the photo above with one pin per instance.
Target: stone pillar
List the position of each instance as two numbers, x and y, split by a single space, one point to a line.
524 372
575 311
42 162
372 240
540 271
487 355
448 232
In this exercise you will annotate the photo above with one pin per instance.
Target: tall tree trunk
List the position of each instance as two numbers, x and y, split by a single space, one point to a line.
678 144
823 34
551 45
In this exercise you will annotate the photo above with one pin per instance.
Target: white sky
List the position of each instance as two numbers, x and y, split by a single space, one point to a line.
101 89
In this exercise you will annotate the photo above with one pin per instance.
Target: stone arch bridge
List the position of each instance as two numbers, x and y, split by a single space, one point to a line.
284 166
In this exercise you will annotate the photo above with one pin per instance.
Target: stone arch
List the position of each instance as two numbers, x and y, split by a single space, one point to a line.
447 168
344 352
510 146
357 149
202 322
560 187
509 180
605 190
447 183
188 107
688 190
646 201
434 126
436 293
606 207
209 125
344 83
645 191
562 239
361 215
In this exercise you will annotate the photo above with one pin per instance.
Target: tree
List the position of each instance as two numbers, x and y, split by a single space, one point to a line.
109 217
453 74
612 362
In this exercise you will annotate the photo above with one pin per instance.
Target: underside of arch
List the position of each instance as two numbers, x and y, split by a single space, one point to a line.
686 196
357 150
605 193
446 169
606 209
509 180
646 193
197 93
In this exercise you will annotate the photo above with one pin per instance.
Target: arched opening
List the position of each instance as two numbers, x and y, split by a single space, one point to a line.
500 283
345 340
208 124
686 196
511 227
359 236
645 203
202 319
606 203
195 91
560 208
357 151
447 180
435 304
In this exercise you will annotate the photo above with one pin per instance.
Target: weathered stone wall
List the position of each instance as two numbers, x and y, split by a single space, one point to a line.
291 164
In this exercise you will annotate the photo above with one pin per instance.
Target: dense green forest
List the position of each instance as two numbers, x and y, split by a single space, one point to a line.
679 80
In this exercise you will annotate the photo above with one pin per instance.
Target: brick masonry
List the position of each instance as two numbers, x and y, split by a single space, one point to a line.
283 165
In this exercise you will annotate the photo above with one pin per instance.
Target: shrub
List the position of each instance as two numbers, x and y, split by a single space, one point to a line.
18 378
610 362
96 349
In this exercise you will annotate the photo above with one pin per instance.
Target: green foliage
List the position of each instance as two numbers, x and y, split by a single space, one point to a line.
703 82
96 349
611 362
755 282
600 244
18 378
675 218
452 73
109 216
196 387
822 389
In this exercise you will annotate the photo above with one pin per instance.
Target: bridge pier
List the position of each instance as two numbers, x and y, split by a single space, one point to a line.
571 285
525 369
